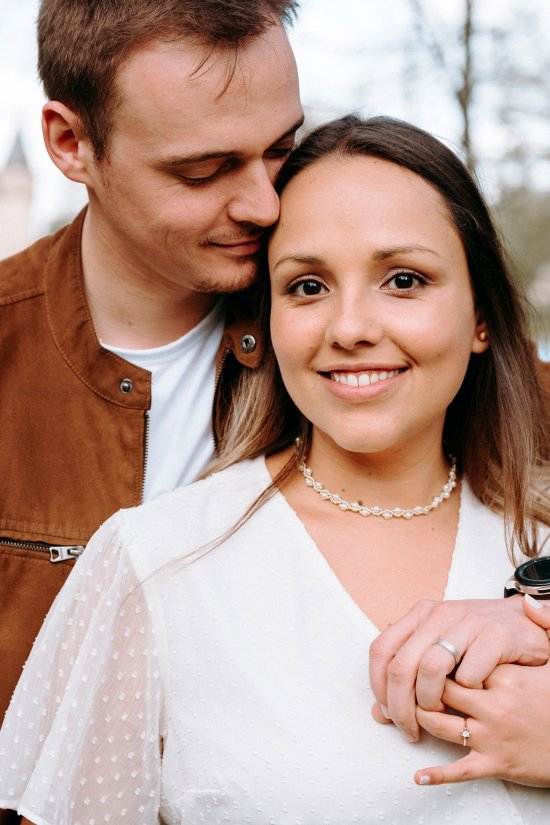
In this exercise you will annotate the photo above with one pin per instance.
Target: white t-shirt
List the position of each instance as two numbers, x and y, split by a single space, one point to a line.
180 441
233 691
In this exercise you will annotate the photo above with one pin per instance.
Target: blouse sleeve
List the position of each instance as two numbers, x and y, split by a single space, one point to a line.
81 741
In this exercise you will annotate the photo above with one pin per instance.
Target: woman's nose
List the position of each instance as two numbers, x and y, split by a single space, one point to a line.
355 321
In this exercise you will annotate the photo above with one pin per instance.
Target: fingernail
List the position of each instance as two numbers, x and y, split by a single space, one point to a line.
533 602
411 738
424 780
385 711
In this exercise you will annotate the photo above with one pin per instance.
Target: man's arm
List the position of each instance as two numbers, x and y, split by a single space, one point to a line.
407 668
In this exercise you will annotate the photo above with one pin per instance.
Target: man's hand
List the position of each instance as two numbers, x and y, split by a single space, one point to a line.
407 668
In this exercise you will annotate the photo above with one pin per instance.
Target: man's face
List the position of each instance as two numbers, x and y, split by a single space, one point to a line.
185 190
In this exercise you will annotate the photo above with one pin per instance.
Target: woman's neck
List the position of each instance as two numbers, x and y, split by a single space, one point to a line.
402 477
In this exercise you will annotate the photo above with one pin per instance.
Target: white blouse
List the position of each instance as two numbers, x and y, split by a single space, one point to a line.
233 690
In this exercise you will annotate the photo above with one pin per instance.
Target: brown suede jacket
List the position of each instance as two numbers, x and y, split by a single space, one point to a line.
73 435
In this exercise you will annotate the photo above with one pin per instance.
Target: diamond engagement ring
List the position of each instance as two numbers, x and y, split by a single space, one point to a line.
450 648
465 733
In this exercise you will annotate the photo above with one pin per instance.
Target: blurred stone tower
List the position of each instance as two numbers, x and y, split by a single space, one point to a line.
15 202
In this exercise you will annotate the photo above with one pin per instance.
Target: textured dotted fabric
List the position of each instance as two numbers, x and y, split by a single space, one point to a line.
232 690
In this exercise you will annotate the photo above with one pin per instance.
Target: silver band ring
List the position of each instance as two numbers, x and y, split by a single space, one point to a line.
450 648
465 733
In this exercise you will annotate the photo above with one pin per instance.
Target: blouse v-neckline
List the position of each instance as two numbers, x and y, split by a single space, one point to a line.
325 573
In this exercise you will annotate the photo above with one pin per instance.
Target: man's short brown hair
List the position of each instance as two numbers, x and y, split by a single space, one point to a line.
83 43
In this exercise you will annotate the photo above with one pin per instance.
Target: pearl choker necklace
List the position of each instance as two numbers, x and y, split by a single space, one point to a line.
397 512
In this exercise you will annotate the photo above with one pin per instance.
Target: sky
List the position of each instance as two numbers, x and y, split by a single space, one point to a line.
353 55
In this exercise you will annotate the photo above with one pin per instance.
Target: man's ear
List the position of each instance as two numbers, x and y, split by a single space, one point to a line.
481 341
67 144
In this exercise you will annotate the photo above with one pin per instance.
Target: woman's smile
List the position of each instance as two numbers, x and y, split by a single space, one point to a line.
361 386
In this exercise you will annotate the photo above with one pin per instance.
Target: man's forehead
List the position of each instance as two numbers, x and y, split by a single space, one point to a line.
209 68
165 90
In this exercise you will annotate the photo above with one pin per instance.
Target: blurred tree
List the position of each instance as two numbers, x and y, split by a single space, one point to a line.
498 74
524 218
455 65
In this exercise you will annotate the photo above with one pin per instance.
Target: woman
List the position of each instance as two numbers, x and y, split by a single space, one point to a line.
206 662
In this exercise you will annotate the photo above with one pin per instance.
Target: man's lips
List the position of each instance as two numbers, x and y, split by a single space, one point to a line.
244 246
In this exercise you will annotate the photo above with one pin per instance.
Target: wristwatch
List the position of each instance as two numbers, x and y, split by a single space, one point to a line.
531 577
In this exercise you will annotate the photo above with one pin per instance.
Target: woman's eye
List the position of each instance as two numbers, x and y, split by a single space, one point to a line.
404 282
307 289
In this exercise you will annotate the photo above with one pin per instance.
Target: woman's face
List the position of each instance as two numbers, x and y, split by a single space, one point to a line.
373 318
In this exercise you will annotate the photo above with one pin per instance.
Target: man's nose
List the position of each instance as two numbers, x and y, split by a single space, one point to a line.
255 201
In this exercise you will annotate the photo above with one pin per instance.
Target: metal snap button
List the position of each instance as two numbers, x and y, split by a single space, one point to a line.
248 343
126 386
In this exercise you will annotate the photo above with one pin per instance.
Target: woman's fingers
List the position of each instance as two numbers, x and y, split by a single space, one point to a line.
460 730
507 722
472 766
538 610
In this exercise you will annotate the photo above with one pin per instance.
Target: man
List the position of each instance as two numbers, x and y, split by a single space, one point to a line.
176 115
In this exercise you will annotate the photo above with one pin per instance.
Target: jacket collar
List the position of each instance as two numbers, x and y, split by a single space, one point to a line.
101 370
73 330
241 336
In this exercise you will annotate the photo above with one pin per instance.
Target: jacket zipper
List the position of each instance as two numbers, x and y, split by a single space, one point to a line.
62 552
58 552
216 383
145 453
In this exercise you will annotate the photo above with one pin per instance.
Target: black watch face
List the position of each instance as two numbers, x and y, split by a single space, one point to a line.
534 572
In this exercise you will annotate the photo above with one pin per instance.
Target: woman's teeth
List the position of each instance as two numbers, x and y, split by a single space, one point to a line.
362 379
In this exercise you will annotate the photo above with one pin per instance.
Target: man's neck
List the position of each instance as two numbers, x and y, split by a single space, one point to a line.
134 309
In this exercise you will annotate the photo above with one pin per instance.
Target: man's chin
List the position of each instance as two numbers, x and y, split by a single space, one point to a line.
235 281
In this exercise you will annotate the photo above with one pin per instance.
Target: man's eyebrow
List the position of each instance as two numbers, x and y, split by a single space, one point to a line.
181 160
198 157
293 129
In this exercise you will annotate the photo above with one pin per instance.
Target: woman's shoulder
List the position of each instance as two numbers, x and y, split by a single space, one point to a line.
181 521
236 483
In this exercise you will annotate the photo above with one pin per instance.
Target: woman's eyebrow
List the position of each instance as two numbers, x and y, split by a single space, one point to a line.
390 252
310 260
377 257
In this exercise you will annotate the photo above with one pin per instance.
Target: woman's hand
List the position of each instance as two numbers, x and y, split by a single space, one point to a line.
509 723
406 666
